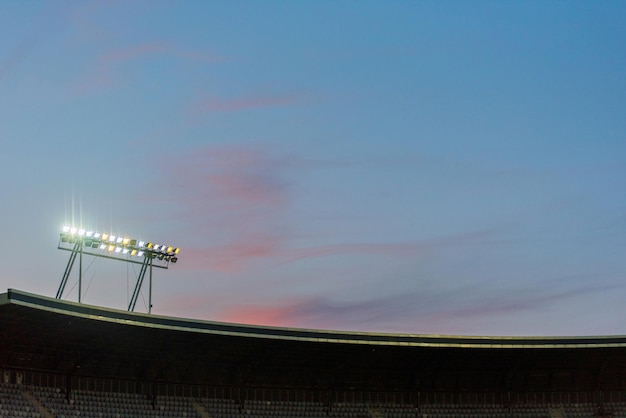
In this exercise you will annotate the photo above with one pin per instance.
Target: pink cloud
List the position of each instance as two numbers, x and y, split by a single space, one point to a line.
280 316
234 255
236 201
104 71
193 305
232 177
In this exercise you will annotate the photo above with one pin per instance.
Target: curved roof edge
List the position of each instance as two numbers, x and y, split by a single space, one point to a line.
43 303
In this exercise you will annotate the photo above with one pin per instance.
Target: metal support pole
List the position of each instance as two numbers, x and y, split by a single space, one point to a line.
147 262
80 272
68 269
150 296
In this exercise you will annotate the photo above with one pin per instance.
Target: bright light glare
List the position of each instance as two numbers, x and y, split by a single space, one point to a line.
118 244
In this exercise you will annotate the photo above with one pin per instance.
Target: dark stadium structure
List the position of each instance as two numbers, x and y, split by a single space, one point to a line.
46 342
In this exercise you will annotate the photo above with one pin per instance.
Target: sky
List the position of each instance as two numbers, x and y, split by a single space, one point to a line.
422 167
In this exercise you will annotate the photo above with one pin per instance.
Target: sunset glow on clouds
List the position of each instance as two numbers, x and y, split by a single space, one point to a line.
390 167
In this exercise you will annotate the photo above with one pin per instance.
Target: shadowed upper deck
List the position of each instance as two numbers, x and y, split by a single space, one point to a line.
45 334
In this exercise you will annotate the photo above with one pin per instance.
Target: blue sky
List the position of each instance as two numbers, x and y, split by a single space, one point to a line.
419 167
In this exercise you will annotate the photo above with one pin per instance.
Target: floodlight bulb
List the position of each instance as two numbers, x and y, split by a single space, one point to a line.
66 229
118 249
170 249
176 251
140 254
126 241
89 234
133 252
112 238
110 248
73 230
102 246
96 235
119 240
149 245
81 232
125 251
105 237
141 244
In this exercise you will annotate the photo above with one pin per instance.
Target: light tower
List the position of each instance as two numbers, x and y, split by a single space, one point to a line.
148 254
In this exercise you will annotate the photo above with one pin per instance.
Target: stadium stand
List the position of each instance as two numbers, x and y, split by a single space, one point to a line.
61 359
13 403
18 400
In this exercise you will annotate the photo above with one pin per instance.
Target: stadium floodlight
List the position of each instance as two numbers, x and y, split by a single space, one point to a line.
80 241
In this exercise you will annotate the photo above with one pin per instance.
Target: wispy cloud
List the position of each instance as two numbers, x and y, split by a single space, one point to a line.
104 71
211 105
228 177
15 57
29 42
237 199
277 250
406 248
83 18
424 312
103 74
234 199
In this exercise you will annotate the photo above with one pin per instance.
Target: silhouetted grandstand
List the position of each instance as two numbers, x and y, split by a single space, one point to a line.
64 359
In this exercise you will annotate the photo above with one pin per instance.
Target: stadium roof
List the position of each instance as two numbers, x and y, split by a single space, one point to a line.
46 334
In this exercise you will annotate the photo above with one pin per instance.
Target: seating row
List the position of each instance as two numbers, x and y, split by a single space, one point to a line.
29 402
